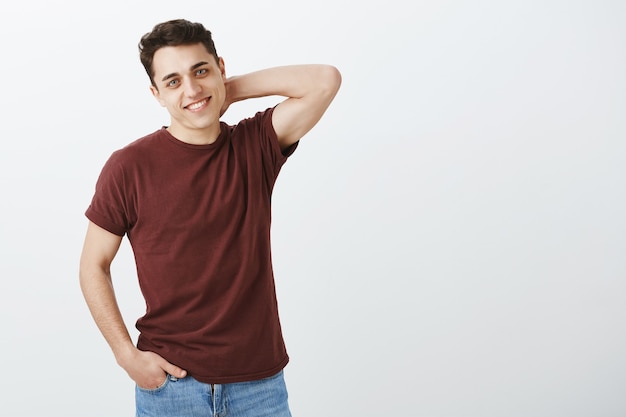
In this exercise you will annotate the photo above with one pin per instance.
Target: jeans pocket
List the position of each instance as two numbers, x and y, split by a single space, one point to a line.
157 389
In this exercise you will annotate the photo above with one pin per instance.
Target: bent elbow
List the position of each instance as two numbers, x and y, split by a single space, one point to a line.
332 79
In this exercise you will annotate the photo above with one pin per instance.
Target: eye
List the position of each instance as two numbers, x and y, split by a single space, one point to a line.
173 83
201 71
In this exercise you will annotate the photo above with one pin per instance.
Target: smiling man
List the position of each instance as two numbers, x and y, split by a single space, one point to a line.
193 198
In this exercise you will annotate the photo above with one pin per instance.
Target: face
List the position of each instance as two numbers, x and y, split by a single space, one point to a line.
190 84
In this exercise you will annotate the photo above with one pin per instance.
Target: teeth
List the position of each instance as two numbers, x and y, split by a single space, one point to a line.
197 105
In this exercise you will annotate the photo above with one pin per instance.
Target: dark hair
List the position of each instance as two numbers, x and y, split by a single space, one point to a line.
173 33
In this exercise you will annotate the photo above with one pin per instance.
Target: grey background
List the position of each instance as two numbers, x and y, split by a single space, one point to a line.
448 241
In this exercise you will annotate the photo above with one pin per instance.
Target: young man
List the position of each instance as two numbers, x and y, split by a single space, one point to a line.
194 200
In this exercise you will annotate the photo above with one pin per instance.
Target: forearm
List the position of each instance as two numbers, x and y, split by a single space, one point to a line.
99 294
295 81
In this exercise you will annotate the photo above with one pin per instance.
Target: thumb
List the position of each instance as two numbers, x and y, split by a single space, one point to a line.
173 370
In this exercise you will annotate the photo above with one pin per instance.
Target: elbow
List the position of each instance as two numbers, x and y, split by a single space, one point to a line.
332 79
90 272
85 273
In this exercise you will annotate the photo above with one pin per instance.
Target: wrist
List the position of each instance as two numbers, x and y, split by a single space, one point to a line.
124 355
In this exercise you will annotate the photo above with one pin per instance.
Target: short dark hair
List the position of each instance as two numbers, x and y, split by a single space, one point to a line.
173 33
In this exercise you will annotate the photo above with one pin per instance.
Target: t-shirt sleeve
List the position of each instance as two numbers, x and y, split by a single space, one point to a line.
109 206
269 141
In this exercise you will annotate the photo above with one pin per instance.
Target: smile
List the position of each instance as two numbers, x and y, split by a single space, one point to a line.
197 105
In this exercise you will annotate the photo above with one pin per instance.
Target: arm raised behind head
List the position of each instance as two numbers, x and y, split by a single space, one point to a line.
309 90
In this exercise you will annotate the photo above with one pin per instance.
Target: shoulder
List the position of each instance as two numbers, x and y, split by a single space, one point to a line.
144 143
258 125
128 159
137 149
257 133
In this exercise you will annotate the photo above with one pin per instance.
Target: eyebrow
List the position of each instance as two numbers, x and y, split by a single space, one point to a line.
193 67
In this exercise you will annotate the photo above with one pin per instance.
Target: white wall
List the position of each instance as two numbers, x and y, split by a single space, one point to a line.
448 241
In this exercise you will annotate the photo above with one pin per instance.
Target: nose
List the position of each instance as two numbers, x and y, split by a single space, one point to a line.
192 88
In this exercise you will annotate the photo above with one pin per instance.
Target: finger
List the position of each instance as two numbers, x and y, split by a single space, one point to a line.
173 370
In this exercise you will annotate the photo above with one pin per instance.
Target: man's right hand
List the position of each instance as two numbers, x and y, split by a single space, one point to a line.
148 369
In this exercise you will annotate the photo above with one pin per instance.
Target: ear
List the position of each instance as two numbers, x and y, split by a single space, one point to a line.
220 62
155 92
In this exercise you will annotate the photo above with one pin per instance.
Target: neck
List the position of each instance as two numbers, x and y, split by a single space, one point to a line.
204 136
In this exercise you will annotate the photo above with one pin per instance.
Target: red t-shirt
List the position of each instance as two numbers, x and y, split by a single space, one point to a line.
198 220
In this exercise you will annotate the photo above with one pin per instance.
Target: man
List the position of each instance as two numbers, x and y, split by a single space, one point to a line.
194 200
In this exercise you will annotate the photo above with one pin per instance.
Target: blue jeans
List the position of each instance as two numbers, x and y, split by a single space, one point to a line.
188 397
